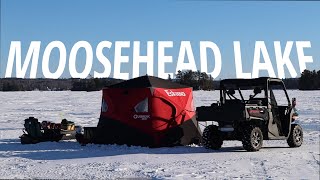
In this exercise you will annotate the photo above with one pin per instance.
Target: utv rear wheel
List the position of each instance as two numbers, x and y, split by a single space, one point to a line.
212 138
252 139
296 136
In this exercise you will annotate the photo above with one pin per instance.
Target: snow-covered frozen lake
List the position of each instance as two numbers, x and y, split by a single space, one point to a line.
67 159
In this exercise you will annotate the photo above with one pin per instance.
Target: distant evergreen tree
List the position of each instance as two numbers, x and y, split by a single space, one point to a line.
195 79
11 86
179 76
309 80
318 80
291 83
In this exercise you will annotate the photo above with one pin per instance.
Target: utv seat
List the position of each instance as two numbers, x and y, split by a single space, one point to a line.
255 102
258 101
233 102
233 110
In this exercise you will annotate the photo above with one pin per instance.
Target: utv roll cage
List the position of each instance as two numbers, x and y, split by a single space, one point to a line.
229 86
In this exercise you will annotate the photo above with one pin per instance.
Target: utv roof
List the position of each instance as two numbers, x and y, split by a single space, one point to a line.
148 81
249 82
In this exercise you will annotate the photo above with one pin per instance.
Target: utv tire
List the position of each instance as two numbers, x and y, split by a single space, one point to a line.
296 136
212 138
252 139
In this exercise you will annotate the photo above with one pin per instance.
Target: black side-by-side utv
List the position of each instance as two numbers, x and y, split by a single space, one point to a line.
265 114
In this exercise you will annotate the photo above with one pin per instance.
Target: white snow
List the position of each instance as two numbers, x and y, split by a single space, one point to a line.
69 160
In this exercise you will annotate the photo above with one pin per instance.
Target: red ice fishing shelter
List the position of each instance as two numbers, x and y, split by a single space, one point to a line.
147 111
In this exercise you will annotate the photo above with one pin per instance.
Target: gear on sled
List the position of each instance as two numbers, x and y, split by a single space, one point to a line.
35 132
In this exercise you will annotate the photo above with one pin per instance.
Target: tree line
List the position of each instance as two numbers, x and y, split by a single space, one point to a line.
202 81
195 79
92 84
309 80
17 84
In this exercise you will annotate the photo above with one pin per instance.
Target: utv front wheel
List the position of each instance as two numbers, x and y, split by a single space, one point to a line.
296 136
252 139
212 138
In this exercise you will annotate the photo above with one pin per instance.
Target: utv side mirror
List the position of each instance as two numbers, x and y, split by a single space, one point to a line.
257 90
231 91
294 102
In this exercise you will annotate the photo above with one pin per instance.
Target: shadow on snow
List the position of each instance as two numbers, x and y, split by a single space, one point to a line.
73 150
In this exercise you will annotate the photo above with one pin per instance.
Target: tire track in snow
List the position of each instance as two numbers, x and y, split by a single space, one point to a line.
259 169
315 159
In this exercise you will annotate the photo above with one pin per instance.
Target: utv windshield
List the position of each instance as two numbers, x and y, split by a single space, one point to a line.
244 93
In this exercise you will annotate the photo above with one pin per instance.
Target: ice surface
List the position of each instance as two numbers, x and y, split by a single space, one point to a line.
67 159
